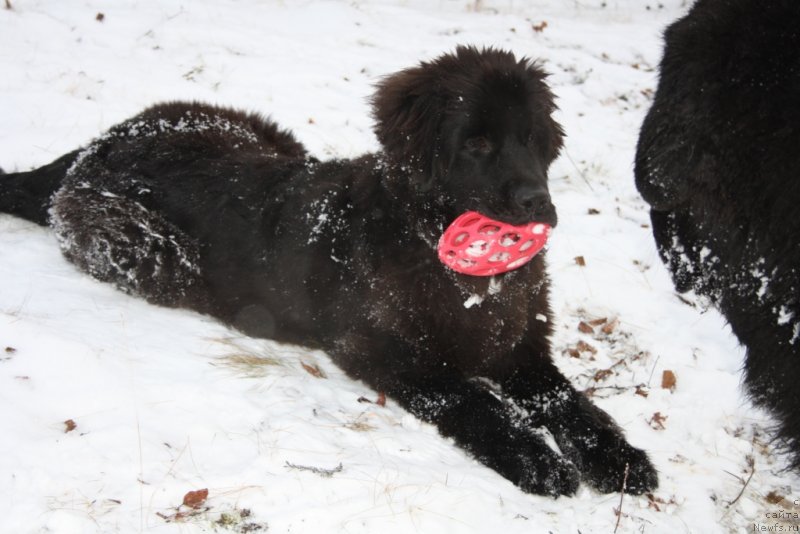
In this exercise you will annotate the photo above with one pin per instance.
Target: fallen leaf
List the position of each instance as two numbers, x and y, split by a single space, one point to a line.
657 421
773 497
609 328
668 380
580 260
655 501
10 350
313 370
70 425
585 328
582 346
100 17
593 211
195 499
602 374
641 391
381 401
598 322
539 28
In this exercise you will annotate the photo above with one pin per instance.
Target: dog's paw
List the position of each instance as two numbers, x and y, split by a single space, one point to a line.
606 472
551 475
536 468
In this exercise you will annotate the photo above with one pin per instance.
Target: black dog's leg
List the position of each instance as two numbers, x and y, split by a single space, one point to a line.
584 433
477 420
116 239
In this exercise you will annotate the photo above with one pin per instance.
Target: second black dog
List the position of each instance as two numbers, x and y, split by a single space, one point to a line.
219 211
719 162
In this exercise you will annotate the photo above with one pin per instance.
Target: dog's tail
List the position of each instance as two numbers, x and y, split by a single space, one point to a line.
27 194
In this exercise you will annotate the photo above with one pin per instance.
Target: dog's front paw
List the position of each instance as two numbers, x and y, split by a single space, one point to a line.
551 475
536 468
606 472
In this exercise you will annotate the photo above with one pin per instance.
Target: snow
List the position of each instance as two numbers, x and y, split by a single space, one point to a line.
165 402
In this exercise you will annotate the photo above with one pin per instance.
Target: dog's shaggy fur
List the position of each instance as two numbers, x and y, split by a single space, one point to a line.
719 162
219 211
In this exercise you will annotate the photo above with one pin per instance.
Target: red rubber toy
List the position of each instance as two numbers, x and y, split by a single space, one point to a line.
479 246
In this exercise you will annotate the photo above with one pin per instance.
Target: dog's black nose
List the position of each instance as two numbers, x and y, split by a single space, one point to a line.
534 204
532 199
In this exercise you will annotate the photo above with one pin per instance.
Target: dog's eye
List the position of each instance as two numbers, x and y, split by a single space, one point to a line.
478 144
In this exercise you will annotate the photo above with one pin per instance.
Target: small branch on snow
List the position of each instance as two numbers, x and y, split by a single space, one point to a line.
622 495
653 371
752 464
580 172
327 473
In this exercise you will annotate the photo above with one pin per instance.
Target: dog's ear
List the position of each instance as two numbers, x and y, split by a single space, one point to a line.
540 95
408 108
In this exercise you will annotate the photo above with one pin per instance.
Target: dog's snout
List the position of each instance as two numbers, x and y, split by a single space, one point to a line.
533 203
532 199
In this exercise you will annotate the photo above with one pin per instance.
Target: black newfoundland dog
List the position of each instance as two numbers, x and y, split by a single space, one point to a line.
719 162
222 212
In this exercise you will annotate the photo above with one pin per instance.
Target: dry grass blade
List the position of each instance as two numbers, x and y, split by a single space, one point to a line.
246 361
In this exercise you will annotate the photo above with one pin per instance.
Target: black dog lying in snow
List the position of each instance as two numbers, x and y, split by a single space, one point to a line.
220 211
719 162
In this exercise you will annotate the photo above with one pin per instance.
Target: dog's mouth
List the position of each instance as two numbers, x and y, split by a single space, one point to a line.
477 245
544 214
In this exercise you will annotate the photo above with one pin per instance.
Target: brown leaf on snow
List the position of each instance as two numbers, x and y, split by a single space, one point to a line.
195 499
602 374
10 350
69 425
598 322
580 260
668 380
582 346
773 497
380 401
609 327
657 421
586 328
539 28
654 502
641 391
313 370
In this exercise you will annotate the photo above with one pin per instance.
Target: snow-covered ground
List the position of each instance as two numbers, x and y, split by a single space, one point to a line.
112 411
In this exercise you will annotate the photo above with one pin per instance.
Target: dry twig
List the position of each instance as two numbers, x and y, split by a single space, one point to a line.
622 495
752 464
327 473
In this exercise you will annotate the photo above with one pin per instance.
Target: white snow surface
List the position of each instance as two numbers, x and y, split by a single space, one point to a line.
165 402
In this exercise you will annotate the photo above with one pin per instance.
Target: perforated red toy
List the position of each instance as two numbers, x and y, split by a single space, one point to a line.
479 246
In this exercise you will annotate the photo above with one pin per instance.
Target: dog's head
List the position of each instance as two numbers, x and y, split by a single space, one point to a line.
474 131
